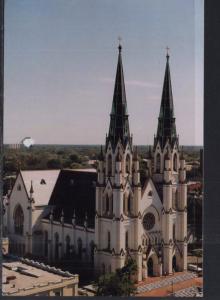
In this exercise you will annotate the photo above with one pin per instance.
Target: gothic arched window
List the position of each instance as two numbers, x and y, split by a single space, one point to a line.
79 248
107 204
175 199
18 220
158 159
92 247
67 246
111 204
174 232
109 164
46 243
175 162
129 204
109 241
124 209
56 246
126 240
128 163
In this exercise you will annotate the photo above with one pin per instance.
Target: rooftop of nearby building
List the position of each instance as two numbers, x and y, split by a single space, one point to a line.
23 275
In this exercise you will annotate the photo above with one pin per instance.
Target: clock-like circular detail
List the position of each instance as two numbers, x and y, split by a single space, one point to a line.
149 221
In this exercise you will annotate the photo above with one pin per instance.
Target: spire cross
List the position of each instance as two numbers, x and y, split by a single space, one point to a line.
168 49
119 41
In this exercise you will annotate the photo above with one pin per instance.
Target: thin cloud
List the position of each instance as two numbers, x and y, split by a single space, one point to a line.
138 83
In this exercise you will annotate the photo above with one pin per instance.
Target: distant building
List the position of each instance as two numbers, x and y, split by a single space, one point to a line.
24 277
15 146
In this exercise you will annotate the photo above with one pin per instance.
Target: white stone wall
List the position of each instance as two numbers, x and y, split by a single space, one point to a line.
78 232
18 197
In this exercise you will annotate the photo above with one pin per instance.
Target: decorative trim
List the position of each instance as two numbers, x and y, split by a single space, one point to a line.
122 253
139 215
121 218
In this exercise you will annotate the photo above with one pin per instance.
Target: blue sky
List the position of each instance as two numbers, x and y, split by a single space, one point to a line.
60 64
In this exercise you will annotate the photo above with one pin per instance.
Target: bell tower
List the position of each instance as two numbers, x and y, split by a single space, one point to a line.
118 189
169 175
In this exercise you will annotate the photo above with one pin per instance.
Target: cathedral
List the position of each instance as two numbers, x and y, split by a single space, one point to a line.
108 215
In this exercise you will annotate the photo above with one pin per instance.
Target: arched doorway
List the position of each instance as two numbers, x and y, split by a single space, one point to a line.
150 266
174 264
56 254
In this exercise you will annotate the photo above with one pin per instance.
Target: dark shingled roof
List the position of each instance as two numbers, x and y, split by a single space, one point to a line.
75 191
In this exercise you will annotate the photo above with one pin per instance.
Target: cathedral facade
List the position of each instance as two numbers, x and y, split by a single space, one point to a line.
108 216
149 223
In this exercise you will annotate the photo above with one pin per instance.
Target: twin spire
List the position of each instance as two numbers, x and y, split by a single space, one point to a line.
119 124
166 129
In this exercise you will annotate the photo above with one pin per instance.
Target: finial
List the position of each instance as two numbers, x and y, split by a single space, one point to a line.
51 214
31 189
101 156
136 154
182 155
149 152
119 43
167 48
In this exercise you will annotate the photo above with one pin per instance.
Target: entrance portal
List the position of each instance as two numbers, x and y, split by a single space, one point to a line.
150 265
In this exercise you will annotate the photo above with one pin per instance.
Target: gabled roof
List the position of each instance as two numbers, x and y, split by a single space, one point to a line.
119 125
166 122
43 182
75 192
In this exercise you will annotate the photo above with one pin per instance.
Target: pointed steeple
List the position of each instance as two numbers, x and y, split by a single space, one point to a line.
31 188
119 125
101 155
166 122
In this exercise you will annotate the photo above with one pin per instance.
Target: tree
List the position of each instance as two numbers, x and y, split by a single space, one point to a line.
74 158
119 283
54 163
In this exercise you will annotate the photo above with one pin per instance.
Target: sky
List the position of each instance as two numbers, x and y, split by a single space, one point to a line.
60 66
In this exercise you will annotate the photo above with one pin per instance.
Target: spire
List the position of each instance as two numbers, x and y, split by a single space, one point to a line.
101 156
149 152
136 158
31 188
119 125
182 154
166 121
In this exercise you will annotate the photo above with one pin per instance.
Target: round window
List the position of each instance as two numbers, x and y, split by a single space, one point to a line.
148 221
